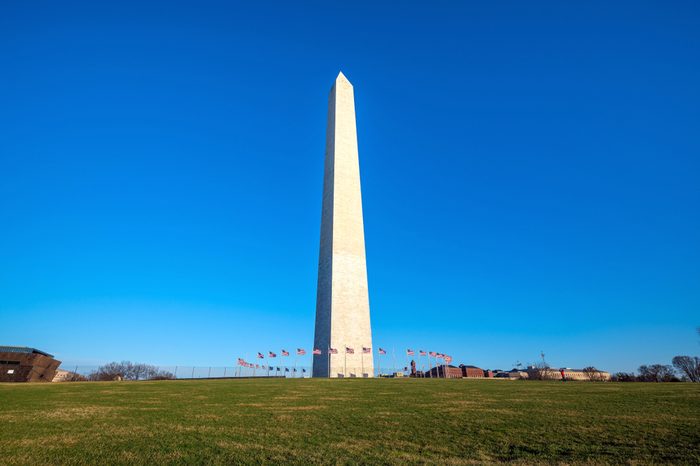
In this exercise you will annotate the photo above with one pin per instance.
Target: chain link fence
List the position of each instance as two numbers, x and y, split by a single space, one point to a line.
81 372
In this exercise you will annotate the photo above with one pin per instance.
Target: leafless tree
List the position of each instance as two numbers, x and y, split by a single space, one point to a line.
541 370
624 377
592 374
74 377
656 373
126 370
688 365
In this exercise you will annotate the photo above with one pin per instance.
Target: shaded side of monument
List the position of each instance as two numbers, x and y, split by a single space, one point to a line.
342 301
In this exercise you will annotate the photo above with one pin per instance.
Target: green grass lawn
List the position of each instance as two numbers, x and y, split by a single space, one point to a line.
349 421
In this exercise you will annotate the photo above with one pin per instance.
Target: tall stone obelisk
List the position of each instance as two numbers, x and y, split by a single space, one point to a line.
342 300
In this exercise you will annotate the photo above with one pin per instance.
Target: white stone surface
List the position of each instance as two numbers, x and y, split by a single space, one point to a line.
342 301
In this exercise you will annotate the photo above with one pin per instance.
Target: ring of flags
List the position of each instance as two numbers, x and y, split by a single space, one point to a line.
348 350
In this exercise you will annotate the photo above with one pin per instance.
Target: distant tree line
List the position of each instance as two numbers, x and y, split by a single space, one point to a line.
126 370
682 368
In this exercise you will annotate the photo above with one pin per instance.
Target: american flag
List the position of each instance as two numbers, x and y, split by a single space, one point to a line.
278 369
257 366
261 356
263 367
241 362
332 351
382 351
422 353
410 352
303 370
294 370
285 353
286 369
349 350
440 356
301 352
433 354
366 350
448 359
316 351
272 355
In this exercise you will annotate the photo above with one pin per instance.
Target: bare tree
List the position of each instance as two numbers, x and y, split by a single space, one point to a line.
541 370
126 370
688 365
592 374
74 377
656 373
624 377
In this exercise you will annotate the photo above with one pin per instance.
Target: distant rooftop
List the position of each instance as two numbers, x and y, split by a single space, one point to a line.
22 349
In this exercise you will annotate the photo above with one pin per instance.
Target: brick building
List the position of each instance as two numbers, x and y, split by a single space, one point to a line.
445 371
22 364
471 371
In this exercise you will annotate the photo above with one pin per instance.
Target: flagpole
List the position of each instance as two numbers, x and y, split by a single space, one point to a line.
393 359
345 364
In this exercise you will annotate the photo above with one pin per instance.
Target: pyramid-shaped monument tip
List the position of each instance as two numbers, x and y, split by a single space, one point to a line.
342 77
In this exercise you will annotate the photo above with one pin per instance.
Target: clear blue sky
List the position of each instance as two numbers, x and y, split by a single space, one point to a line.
531 177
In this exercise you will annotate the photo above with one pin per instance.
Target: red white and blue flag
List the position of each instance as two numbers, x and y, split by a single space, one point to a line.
316 351
410 352
382 351
366 350
301 352
241 362
261 356
272 355
422 353
332 351
433 354
285 353
349 350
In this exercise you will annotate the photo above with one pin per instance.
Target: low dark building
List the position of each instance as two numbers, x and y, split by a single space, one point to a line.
445 371
471 371
22 364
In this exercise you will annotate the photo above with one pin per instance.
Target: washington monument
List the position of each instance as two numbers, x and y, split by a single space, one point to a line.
342 299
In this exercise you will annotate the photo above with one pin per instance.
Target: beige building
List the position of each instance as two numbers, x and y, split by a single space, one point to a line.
67 376
568 373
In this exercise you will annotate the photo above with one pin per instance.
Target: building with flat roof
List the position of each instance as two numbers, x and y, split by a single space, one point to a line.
23 364
445 371
567 373
471 371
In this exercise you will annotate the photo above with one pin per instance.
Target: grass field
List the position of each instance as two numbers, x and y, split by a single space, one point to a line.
349 421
